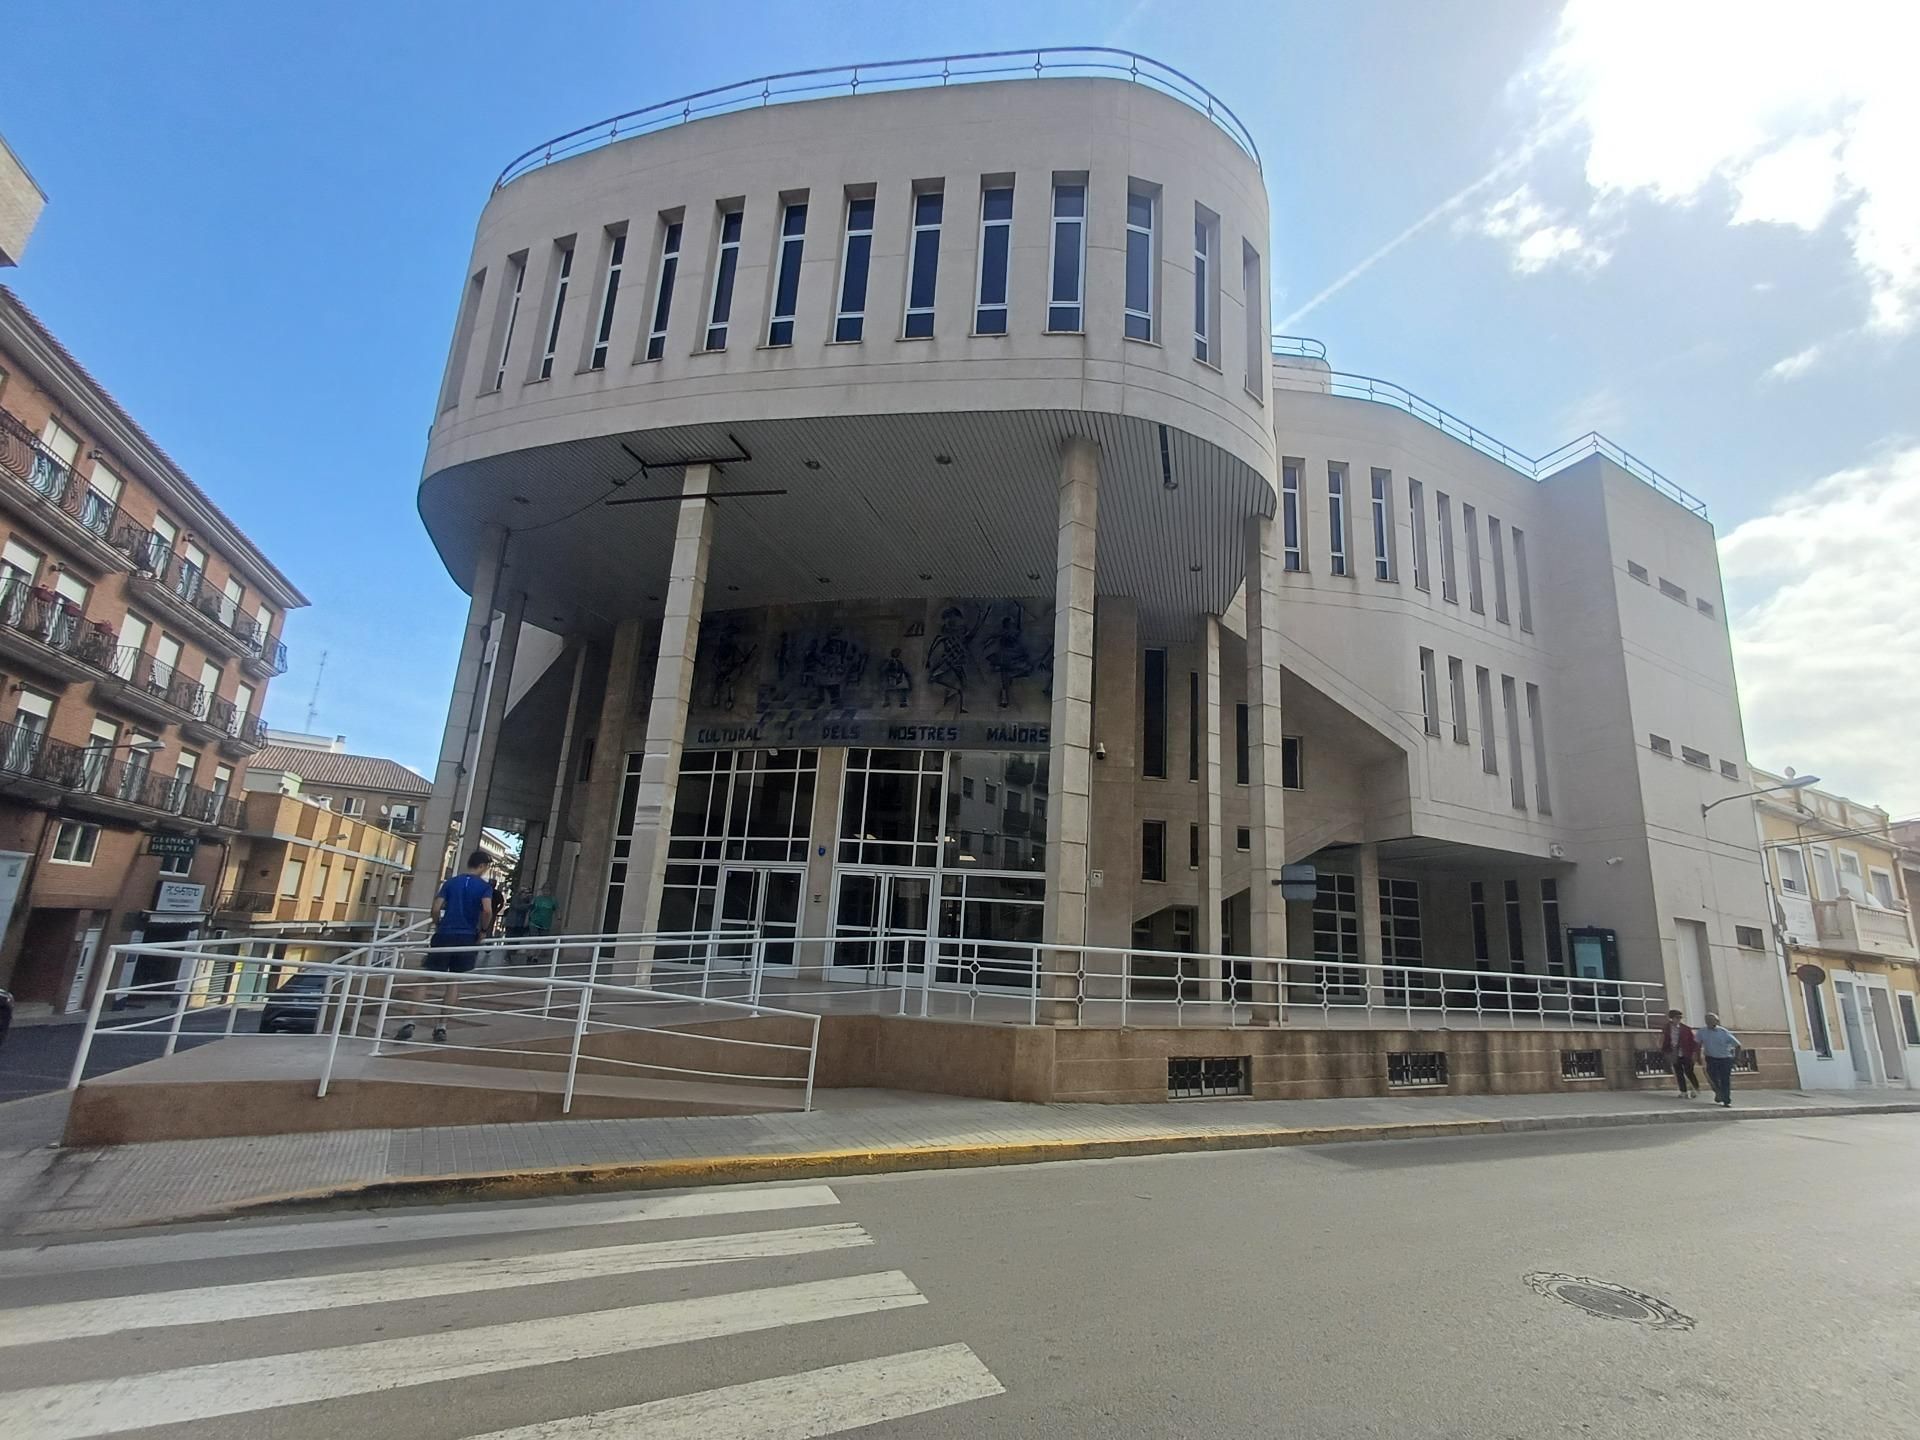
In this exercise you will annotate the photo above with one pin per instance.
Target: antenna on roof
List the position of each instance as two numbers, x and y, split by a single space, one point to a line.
313 705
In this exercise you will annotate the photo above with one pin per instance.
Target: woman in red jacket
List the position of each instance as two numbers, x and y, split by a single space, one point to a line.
1680 1045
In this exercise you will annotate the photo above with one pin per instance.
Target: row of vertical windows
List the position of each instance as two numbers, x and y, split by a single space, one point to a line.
1513 913
1066 283
1386 560
1534 732
1155 730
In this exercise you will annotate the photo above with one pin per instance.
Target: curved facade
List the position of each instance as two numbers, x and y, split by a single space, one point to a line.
919 544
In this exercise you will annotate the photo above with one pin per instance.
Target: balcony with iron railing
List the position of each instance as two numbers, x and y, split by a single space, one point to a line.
240 734
107 538
106 780
45 632
1861 928
247 902
150 688
176 587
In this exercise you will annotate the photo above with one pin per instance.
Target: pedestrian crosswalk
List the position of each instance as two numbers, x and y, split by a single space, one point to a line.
162 1353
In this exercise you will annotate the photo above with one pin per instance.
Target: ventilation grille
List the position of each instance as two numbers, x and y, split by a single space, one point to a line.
1192 1077
1416 1069
1582 1065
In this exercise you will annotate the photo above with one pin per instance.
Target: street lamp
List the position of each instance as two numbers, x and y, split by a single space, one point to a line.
1796 782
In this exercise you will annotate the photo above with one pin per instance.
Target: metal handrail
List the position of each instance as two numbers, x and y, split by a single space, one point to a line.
1350 386
791 85
55 622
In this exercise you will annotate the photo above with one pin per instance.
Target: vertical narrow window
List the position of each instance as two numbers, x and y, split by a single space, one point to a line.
1417 515
462 342
1140 217
1489 742
1255 311
559 310
850 323
1537 723
1477 912
1242 750
1510 708
1193 847
1293 767
663 292
1443 522
1817 1032
1068 265
1550 926
923 263
1205 283
1470 525
1153 762
996 240
1153 850
1516 935
1520 581
616 262
1382 525
517 275
1290 537
726 266
786 273
1499 570
1193 724
1457 695
1429 692
1337 519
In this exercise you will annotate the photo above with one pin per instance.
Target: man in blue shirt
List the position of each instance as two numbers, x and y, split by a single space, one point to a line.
1722 1049
462 913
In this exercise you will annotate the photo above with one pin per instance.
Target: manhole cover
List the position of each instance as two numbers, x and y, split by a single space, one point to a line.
1609 1301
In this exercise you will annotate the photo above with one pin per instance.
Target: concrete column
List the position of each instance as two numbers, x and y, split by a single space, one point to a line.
1113 836
499 683
1213 828
1366 884
1265 797
1070 749
449 773
562 772
586 906
667 711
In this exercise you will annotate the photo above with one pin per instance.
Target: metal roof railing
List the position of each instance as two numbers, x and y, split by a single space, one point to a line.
1385 392
928 71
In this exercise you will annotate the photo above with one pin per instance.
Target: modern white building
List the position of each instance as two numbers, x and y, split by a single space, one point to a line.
895 529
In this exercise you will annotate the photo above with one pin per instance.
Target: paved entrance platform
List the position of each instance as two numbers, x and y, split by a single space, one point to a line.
46 1190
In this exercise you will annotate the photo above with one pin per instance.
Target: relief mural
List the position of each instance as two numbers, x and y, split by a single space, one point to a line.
954 673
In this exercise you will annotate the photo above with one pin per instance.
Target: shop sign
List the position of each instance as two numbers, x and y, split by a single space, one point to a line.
173 846
177 897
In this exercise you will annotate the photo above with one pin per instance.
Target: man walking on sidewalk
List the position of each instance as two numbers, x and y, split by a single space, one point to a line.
1681 1045
462 914
1723 1048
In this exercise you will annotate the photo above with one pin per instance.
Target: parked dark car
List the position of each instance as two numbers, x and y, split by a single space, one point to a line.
6 1014
294 1008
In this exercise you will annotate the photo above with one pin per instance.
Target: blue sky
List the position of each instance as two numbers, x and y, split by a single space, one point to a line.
1694 228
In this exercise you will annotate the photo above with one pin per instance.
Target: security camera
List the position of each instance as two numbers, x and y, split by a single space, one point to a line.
1100 750
1616 859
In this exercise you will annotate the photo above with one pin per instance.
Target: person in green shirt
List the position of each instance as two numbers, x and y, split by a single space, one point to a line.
540 913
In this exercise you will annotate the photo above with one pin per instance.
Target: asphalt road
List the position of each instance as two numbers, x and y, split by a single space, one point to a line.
38 1058
1362 1290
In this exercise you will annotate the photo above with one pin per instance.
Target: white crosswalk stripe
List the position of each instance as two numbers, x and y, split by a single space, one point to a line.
791 1407
37 1324
220 1243
502 1256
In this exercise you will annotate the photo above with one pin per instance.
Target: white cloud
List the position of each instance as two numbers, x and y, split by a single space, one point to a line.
1800 109
1537 236
1827 648
1793 366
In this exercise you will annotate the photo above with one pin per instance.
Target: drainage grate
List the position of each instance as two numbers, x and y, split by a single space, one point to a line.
1608 1301
1582 1065
1651 1062
1746 1063
1191 1077
1416 1068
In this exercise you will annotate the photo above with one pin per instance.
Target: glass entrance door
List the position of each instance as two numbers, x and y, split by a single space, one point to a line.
764 899
880 926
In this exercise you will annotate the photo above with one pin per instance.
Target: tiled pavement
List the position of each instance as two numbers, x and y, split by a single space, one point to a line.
45 1190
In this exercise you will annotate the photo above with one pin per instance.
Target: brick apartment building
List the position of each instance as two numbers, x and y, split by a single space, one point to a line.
139 631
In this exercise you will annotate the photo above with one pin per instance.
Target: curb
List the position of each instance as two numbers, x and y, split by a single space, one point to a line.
536 1182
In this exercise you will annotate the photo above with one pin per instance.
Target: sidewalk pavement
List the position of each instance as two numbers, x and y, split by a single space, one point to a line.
45 1190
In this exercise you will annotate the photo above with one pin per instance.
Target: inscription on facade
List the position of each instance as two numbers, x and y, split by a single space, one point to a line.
952 673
